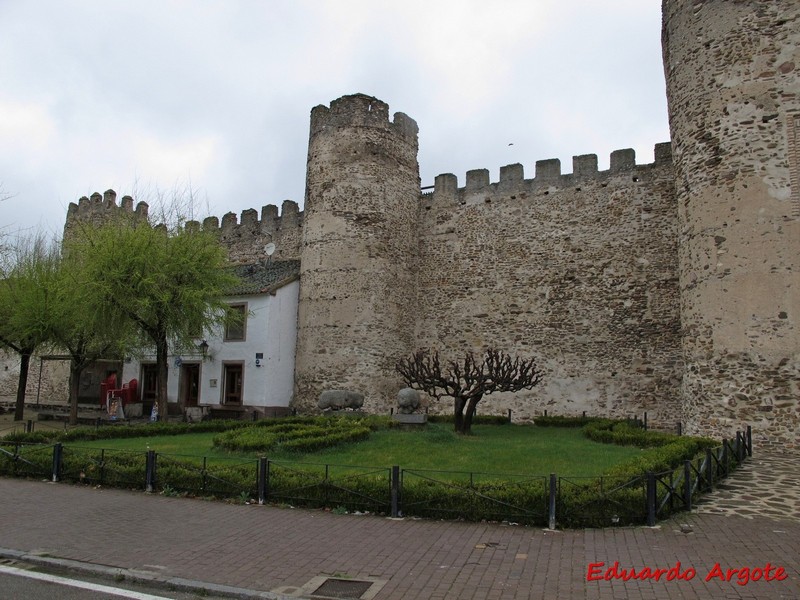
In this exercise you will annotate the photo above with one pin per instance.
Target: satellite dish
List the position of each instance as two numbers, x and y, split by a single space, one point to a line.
269 249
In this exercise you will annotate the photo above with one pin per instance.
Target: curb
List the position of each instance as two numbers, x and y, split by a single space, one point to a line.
117 574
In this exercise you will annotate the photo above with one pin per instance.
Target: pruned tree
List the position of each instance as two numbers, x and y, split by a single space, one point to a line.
168 283
467 380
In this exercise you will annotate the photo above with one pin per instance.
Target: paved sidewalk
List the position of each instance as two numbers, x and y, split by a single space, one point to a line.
280 550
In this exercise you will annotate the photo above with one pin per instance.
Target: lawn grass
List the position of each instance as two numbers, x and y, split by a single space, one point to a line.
499 449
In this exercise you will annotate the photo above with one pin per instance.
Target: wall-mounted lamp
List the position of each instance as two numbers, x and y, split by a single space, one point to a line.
203 346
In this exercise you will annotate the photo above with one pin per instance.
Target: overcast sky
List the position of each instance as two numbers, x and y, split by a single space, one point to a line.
142 95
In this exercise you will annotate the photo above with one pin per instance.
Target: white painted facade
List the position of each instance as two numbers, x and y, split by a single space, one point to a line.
270 330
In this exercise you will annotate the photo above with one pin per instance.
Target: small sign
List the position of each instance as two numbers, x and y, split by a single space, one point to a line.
212 383
178 361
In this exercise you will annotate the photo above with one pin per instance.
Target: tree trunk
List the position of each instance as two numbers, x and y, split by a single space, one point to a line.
24 365
162 354
75 370
472 406
458 413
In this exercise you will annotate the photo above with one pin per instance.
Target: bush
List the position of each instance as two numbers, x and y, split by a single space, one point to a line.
477 419
622 433
617 497
111 468
560 421
307 435
312 443
35 437
522 502
25 460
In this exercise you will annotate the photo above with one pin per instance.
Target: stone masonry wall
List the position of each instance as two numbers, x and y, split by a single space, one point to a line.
358 263
733 86
47 380
578 270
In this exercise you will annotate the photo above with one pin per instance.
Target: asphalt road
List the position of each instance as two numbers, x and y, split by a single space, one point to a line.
18 582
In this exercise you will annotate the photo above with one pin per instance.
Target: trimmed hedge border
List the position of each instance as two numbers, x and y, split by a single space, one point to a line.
618 496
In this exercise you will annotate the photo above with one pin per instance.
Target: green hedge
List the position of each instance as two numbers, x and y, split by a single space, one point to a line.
307 435
476 420
559 421
615 498
312 443
501 500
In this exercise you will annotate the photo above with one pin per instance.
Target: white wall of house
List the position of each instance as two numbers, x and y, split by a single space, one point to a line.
271 330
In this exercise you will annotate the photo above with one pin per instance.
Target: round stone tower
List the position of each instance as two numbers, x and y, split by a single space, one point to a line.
733 87
359 252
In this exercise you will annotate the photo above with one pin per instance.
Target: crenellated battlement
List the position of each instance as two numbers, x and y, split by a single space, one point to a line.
360 110
103 206
548 177
269 223
244 236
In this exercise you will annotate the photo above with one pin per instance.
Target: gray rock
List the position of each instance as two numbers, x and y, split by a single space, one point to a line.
340 399
408 400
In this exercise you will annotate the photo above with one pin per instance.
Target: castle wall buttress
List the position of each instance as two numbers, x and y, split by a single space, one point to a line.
577 270
733 88
358 256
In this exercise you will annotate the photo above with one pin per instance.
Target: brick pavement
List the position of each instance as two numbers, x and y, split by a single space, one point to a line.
279 549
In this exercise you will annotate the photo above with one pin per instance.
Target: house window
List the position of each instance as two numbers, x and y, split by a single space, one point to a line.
235 329
233 383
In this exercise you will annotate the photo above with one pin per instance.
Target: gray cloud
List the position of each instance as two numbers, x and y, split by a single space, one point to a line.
139 94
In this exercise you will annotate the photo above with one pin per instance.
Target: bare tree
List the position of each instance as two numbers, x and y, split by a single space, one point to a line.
466 380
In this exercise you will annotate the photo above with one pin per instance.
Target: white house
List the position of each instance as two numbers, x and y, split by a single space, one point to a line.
237 368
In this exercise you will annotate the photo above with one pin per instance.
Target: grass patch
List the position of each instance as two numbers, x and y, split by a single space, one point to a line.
190 444
516 449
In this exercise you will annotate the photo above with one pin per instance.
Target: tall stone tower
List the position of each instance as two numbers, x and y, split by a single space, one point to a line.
733 87
357 280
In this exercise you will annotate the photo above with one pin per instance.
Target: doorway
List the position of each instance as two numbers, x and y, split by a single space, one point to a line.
233 382
190 384
149 387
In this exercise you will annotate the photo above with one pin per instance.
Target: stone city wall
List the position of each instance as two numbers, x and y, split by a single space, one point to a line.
358 263
578 270
733 86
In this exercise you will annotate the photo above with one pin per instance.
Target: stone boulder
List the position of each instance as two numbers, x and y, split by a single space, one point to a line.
407 401
340 399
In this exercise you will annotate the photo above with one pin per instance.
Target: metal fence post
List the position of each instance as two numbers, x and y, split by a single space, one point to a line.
57 450
725 454
680 428
687 484
651 499
29 426
263 465
749 436
710 469
551 512
394 484
645 420
150 471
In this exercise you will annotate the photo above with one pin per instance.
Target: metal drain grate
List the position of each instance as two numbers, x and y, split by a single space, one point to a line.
344 589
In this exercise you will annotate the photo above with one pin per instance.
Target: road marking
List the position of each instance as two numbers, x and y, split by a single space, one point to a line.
79 584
